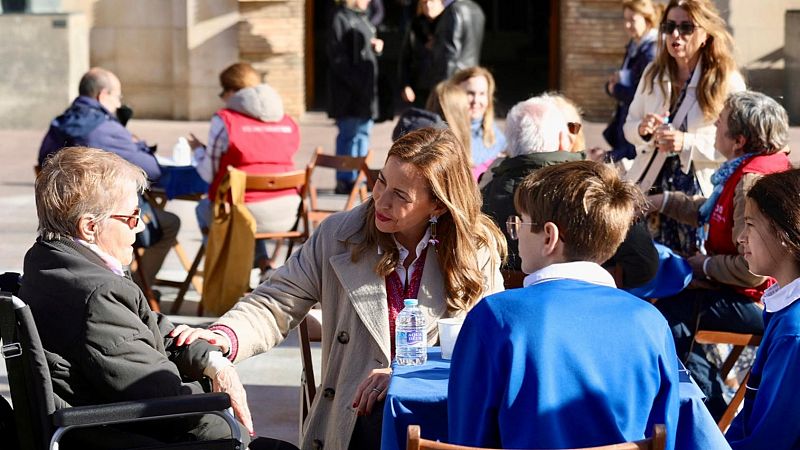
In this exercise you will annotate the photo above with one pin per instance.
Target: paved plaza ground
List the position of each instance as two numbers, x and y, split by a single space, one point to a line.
272 380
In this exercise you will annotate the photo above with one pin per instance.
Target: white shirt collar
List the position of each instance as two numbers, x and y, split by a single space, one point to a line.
112 263
403 252
579 270
776 298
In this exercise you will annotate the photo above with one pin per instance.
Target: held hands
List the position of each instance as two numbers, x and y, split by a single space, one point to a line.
650 123
371 390
668 140
185 335
227 381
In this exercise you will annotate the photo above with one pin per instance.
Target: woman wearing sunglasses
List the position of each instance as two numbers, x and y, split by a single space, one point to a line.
671 118
105 344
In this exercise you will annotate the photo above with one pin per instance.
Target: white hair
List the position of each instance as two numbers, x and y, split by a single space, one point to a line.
533 126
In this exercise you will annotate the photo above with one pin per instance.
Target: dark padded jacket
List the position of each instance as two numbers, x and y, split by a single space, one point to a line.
353 71
87 123
103 342
457 39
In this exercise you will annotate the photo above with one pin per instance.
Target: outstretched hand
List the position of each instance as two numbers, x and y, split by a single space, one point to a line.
185 335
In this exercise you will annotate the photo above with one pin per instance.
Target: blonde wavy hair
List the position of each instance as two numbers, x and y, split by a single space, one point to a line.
488 117
450 102
650 12
462 230
715 56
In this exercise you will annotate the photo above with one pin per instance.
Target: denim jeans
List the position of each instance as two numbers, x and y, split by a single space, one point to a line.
352 140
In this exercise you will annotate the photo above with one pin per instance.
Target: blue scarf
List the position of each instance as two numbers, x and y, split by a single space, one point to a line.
719 179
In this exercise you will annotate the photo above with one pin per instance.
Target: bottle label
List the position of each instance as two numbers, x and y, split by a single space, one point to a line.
411 338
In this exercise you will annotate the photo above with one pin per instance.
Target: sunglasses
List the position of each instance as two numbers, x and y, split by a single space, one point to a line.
513 225
684 28
574 127
131 221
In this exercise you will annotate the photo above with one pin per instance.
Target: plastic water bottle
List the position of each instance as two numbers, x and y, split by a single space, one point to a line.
411 338
667 125
182 152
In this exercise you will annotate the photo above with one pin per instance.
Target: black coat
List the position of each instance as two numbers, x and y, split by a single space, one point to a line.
102 341
353 66
457 39
416 56
614 135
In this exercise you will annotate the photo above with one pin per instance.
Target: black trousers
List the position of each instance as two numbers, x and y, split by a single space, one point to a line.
716 310
367 432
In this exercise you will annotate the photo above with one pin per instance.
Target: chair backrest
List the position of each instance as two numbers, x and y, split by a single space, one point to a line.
28 373
656 442
739 342
296 179
336 162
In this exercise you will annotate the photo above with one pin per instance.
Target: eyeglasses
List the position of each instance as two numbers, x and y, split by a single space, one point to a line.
131 221
513 225
574 127
684 28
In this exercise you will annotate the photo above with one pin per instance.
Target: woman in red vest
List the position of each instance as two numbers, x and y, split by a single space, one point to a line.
251 133
752 131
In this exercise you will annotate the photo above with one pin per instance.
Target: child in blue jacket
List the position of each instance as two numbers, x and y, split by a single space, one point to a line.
569 360
771 240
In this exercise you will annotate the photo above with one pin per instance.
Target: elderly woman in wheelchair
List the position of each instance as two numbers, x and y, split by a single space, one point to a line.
102 341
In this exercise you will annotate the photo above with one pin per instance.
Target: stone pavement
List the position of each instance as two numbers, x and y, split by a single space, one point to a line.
272 380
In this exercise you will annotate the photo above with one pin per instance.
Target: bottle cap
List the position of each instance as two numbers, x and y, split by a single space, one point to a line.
410 302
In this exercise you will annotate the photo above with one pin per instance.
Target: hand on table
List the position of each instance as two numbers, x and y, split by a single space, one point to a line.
185 335
371 390
227 381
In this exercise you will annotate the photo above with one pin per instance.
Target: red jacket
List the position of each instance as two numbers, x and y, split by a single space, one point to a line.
259 148
720 225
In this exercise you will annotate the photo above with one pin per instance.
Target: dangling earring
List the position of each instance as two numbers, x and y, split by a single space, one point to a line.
433 241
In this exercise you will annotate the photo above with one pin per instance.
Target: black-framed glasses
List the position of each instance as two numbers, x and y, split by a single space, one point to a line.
574 127
684 28
513 225
132 221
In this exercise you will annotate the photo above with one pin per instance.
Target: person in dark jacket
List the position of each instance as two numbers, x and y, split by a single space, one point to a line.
103 342
352 82
91 122
415 64
457 39
533 128
641 22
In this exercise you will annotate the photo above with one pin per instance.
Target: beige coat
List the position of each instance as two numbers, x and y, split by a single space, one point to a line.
698 141
355 335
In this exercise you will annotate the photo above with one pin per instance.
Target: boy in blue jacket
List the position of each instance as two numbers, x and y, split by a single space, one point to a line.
568 360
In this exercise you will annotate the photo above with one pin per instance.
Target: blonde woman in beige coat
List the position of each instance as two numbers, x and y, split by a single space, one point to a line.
348 265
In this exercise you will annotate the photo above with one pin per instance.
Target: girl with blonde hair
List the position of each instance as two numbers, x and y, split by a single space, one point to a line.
487 141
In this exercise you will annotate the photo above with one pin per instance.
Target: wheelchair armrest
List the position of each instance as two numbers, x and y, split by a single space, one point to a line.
129 411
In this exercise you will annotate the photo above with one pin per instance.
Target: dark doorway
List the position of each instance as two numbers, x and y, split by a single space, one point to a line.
517 46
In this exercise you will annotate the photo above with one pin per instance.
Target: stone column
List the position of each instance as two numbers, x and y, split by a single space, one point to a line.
791 51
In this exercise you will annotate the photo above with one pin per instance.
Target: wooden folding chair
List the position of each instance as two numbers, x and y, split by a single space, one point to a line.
739 342
316 214
308 383
297 179
657 442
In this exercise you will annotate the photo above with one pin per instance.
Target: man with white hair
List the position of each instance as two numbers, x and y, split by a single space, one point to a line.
537 135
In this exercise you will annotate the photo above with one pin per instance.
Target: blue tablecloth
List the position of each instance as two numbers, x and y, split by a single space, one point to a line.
418 395
180 181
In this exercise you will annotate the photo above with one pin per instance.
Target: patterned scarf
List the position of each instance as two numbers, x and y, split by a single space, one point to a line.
719 179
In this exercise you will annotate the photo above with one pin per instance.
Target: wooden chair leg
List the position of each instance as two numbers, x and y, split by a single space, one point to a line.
190 275
733 406
136 267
